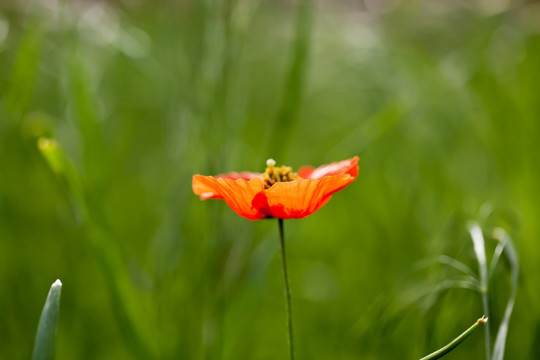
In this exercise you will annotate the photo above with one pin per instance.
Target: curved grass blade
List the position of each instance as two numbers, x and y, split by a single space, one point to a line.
456 264
495 258
446 260
511 255
480 252
46 334
454 343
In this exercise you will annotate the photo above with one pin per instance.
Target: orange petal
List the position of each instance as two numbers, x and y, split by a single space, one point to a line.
244 175
204 186
349 166
300 198
238 194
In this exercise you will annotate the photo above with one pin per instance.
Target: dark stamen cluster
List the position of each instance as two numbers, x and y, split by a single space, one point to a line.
274 174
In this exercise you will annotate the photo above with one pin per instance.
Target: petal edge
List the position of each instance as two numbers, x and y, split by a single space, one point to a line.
349 166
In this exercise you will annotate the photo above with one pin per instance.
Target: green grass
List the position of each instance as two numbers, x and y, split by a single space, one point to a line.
439 100
44 346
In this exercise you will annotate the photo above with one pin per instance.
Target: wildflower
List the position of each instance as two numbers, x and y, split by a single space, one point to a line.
278 192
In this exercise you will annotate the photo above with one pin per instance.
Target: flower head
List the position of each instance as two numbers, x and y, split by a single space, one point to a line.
278 192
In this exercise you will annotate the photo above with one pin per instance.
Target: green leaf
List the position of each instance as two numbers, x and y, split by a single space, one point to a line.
46 332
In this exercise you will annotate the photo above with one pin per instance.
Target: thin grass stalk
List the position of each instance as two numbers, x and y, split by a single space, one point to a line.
454 343
487 335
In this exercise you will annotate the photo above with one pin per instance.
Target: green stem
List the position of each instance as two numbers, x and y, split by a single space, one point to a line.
287 288
487 334
452 345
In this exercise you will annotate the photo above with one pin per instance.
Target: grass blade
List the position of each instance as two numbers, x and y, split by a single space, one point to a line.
456 264
46 334
495 258
480 252
511 255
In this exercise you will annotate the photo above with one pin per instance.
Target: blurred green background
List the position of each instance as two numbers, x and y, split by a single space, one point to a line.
440 99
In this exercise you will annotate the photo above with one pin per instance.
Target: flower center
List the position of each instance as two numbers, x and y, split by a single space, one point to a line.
274 174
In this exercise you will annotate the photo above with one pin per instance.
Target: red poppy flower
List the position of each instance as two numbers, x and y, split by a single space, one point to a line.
277 193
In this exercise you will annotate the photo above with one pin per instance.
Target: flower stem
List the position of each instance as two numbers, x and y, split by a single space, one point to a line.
454 343
287 288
